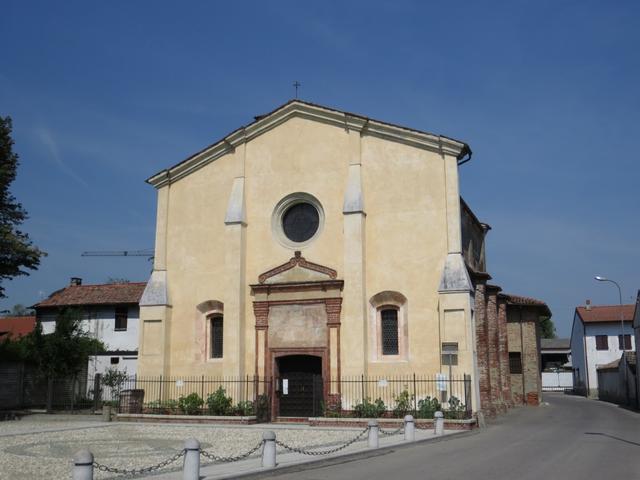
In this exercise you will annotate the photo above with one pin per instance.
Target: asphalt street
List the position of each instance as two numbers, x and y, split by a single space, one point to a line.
570 438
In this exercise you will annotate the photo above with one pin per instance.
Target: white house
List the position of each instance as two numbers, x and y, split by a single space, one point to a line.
110 314
596 340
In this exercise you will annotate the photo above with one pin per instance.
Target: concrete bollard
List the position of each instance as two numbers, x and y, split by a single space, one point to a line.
374 430
409 428
106 413
438 423
269 449
191 465
83 465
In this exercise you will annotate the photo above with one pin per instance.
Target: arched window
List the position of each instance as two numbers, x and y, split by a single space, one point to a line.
388 327
216 324
209 332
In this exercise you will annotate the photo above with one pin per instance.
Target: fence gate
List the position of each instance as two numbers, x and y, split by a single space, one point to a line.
300 395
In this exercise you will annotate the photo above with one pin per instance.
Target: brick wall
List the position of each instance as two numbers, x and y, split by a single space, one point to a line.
523 337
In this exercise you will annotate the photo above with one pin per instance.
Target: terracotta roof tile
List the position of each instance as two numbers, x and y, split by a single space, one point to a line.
16 326
109 294
606 313
525 301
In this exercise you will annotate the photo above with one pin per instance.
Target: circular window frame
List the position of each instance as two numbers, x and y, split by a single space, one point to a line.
282 207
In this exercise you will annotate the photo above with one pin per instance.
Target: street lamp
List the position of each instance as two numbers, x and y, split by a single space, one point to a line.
604 279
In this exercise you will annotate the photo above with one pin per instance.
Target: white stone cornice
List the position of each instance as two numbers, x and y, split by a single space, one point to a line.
299 109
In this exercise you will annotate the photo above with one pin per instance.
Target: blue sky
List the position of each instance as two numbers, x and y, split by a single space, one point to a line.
547 94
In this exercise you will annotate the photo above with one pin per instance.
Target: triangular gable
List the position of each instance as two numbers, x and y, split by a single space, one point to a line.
297 269
297 108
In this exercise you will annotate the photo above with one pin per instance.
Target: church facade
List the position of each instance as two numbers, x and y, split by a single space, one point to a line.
318 240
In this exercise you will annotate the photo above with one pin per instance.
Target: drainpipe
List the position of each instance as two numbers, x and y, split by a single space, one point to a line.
465 152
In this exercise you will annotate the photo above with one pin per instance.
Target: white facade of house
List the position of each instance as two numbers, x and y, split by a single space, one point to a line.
586 358
121 344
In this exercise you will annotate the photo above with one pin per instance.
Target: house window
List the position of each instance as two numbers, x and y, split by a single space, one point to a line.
115 360
515 362
450 353
627 342
216 336
602 342
389 330
122 314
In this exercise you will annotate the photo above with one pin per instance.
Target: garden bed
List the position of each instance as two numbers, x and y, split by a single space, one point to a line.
160 418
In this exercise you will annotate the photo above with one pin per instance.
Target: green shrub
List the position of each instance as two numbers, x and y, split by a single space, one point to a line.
333 408
427 407
190 404
244 408
219 403
367 409
457 409
262 408
166 407
404 404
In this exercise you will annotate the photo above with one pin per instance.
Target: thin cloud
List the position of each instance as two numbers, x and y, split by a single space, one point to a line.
45 136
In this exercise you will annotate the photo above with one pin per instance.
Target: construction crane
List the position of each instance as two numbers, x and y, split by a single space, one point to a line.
120 253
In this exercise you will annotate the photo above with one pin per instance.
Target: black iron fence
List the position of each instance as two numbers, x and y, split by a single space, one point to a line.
191 395
21 387
358 396
397 396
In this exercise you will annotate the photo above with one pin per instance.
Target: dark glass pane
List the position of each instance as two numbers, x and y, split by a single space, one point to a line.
121 318
515 362
389 328
300 222
627 342
216 337
602 342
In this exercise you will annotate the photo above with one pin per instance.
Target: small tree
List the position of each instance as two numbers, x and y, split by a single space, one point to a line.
114 379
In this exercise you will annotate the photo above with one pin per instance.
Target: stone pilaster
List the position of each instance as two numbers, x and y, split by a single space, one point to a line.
503 354
493 349
482 348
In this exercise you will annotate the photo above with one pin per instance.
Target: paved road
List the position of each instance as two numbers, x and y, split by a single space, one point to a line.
571 438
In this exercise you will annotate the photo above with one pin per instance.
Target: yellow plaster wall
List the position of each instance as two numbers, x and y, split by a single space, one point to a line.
404 241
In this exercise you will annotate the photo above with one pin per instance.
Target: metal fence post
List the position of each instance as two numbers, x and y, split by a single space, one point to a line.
438 423
49 394
96 391
191 466
467 394
83 465
409 428
373 434
269 449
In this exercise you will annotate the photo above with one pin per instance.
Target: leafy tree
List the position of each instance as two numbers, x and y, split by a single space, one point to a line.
64 352
17 253
547 328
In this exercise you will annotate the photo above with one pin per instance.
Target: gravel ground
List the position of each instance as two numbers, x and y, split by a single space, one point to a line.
42 448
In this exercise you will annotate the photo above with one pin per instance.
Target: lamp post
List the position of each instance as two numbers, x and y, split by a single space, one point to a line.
604 279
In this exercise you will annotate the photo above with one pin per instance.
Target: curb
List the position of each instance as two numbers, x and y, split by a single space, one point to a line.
344 458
